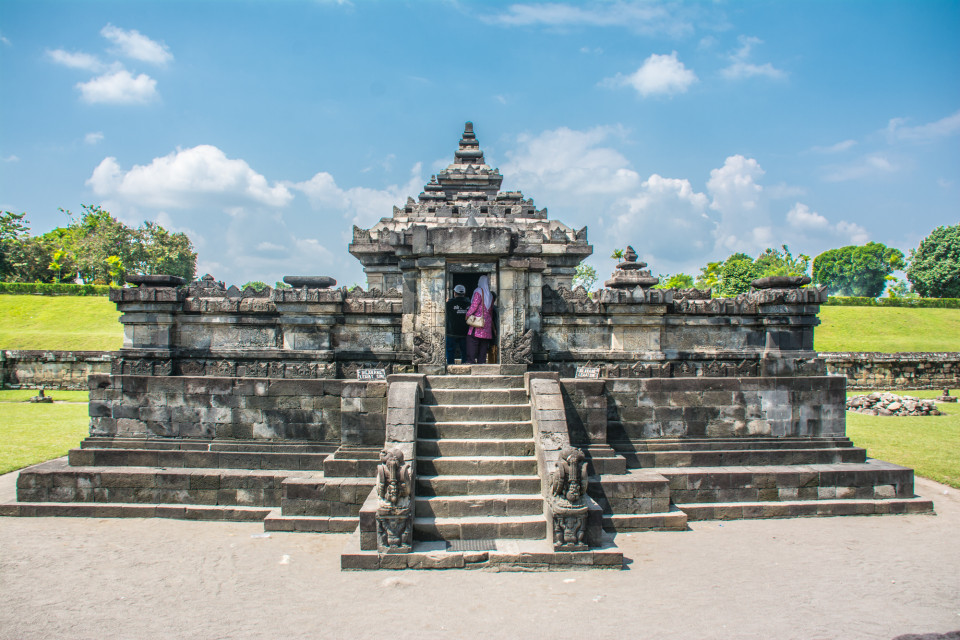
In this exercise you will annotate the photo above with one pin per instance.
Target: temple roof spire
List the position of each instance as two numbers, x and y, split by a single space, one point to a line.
469 172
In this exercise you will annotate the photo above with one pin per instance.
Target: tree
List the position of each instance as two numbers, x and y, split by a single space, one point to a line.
586 276
677 281
774 263
256 285
14 229
737 276
935 265
709 277
857 270
159 251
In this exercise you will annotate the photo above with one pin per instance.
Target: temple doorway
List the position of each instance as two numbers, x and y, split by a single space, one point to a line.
468 276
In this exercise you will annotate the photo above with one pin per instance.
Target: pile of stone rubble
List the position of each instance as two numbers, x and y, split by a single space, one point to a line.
889 404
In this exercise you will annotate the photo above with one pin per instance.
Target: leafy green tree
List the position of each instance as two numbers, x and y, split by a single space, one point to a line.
279 284
776 263
935 265
736 275
857 270
585 276
156 251
676 281
14 228
257 285
709 277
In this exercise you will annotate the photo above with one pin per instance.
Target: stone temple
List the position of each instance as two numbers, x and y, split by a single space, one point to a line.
319 409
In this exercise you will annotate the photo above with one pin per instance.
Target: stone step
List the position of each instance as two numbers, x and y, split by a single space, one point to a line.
275 521
729 444
116 457
486 413
484 505
872 480
429 447
205 444
475 485
480 527
507 555
443 430
672 520
806 508
474 396
56 482
748 457
474 466
474 382
316 497
125 510
478 370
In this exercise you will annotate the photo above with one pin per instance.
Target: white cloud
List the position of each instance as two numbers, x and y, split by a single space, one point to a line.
740 66
839 147
11 158
119 87
569 161
362 205
642 17
133 44
5 41
734 186
867 166
78 60
942 128
93 137
659 75
811 226
186 178
665 220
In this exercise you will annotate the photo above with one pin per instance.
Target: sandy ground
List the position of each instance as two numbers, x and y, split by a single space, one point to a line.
849 577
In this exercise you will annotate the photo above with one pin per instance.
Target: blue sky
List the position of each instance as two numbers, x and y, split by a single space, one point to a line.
266 130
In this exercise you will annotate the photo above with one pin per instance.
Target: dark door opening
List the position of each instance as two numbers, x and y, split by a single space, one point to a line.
468 280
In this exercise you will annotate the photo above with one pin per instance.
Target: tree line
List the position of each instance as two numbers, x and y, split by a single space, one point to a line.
932 269
94 247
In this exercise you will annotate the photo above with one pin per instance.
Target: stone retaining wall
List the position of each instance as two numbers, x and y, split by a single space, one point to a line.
915 370
216 408
639 408
51 369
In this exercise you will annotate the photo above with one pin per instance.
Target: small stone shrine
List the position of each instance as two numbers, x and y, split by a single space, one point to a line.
323 409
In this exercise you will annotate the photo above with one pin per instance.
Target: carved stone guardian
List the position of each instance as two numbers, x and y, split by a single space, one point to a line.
394 515
567 501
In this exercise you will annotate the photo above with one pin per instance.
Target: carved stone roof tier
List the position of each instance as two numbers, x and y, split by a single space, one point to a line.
466 195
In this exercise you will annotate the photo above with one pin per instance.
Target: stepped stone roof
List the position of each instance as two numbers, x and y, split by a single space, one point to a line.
467 194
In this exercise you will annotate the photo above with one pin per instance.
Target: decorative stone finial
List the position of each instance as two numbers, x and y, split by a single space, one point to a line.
631 274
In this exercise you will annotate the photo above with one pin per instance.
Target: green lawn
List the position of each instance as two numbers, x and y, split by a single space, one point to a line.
887 329
78 323
31 433
928 445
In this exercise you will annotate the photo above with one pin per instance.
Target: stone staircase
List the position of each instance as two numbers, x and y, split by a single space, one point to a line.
763 477
476 465
173 478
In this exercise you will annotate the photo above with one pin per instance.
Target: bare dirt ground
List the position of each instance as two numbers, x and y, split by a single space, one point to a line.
848 577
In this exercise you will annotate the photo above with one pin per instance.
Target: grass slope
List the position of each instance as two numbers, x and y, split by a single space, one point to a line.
74 323
887 329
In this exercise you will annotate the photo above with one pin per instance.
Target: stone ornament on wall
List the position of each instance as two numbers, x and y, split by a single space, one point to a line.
519 348
428 348
567 500
394 490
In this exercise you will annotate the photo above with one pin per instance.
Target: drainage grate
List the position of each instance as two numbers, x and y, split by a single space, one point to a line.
484 544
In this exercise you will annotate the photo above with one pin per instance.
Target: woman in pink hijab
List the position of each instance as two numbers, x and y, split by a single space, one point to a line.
479 338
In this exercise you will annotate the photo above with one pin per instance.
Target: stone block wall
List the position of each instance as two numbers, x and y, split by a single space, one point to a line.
640 408
51 369
895 370
215 408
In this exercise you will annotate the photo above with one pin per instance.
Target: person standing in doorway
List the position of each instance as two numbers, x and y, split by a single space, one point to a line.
479 338
457 324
